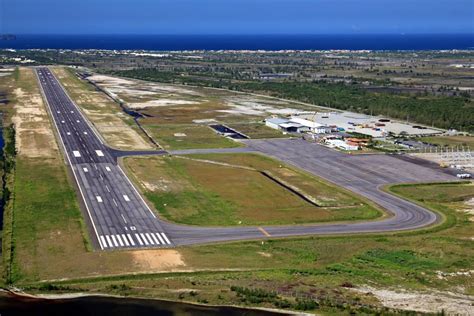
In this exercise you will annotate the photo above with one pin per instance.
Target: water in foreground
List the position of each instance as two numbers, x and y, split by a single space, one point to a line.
12 304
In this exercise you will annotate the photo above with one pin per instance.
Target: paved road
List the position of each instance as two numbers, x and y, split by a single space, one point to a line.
121 219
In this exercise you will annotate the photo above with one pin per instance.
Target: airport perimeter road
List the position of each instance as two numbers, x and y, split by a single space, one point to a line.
121 219
118 215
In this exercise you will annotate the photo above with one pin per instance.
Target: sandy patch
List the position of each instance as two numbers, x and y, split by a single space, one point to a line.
445 275
34 134
255 106
122 136
109 80
132 87
204 121
159 102
432 302
158 260
469 209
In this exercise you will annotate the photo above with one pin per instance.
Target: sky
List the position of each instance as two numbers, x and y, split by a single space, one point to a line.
236 16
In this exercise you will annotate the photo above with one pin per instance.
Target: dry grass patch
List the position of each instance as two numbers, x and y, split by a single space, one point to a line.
115 127
34 137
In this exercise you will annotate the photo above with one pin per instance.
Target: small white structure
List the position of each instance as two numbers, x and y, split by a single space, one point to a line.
338 143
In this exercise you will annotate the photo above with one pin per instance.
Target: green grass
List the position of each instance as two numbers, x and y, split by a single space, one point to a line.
257 130
316 266
197 136
197 192
450 140
44 202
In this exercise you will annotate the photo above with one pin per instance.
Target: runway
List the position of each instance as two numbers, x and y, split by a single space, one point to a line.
119 216
121 219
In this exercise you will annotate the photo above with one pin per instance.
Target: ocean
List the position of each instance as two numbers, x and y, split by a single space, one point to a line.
243 42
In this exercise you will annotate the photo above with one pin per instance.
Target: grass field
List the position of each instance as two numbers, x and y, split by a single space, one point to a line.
325 193
186 136
450 140
327 268
202 193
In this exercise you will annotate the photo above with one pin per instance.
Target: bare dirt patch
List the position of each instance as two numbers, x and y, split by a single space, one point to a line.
158 260
433 302
469 209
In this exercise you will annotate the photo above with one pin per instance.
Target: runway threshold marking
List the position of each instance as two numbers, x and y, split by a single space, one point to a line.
264 232
160 238
166 238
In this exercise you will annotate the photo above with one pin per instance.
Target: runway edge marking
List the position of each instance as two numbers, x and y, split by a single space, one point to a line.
67 156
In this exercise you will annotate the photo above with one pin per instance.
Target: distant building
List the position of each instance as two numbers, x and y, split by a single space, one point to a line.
292 127
312 126
272 76
275 122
